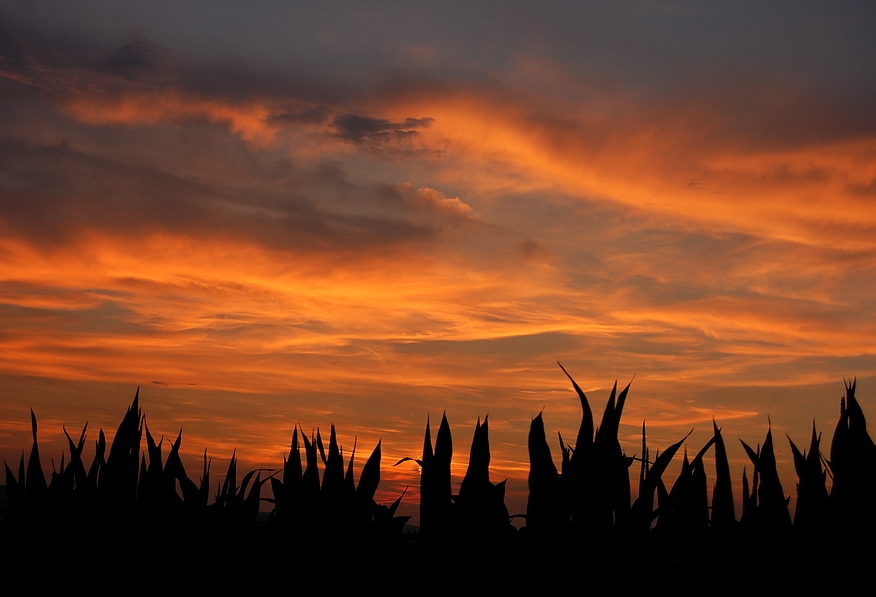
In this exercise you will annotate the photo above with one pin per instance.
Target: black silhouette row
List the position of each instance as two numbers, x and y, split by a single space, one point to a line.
143 509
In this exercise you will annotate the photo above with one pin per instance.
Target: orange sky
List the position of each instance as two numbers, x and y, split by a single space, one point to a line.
364 220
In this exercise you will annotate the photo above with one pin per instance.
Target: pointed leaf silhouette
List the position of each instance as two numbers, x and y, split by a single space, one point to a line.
369 479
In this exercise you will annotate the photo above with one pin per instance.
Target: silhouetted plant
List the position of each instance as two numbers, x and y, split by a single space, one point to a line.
131 498
723 509
436 494
770 512
853 464
545 511
813 501
336 508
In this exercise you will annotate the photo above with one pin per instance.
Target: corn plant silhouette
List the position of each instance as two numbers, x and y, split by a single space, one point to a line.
310 510
436 494
853 464
812 512
136 511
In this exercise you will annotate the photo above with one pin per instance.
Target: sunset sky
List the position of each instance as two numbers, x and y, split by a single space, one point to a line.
270 213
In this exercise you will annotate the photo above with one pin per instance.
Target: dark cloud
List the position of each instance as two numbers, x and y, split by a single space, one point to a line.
60 178
775 114
22 43
365 129
796 90
136 56
52 194
64 58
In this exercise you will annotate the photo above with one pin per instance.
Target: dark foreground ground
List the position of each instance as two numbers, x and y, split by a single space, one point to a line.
138 560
